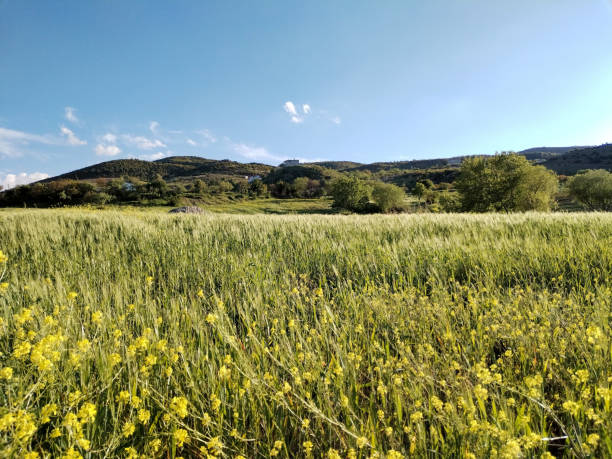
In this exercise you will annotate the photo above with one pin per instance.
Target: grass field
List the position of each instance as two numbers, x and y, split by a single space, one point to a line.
150 335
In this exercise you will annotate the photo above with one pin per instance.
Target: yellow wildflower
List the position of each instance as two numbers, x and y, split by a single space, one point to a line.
6 373
180 435
361 442
144 415
114 359
178 405
128 429
88 412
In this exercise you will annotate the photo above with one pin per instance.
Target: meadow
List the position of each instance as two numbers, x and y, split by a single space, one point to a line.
127 334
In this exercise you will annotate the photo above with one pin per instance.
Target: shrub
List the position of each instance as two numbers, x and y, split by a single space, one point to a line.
387 196
505 182
351 193
593 189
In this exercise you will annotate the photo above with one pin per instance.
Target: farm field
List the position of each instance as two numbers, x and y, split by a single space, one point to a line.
150 335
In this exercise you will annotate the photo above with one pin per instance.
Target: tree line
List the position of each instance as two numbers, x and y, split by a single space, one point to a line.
505 182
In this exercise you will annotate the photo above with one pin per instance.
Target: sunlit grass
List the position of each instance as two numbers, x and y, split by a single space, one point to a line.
129 334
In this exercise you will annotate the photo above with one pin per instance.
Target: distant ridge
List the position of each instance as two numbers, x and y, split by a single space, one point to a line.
563 160
585 158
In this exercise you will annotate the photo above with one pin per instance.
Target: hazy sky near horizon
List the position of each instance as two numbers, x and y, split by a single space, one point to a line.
88 81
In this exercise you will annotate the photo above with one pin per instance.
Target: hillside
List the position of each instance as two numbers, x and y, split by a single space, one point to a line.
337 165
544 153
169 168
585 158
563 160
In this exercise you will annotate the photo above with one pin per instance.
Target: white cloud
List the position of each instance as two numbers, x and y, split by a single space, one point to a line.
69 113
143 143
336 120
153 125
191 142
23 178
153 157
295 116
12 141
290 108
209 136
255 153
72 139
109 138
107 150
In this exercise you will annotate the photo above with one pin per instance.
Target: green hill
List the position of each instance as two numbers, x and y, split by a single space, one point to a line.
337 165
545 153
584 158
563 160
175 167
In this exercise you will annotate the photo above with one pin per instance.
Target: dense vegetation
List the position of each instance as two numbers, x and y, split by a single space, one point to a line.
585 158
593 189
124 335
167 168
503 182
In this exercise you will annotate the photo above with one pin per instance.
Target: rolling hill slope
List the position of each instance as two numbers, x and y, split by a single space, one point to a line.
563 160
169 168
585 158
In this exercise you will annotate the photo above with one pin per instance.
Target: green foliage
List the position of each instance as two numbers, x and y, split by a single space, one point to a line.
290 173
582 158
169 168
428 183
505 182
351 193
158 186
449 201
258 188
419 190
387 196
225 186
299 181
593 189
199 186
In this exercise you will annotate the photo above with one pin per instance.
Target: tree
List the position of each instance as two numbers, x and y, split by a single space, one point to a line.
300 186
258 188
241 187
158 186
593 189
505 182
225 186
199 186
428 183
449 201
350 193
387 196
419 190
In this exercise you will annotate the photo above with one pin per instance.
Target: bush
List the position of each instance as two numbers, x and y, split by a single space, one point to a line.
505 182
387 196
593 189
351 193
449 201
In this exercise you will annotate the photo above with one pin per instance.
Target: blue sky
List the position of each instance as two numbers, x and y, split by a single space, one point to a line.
88 81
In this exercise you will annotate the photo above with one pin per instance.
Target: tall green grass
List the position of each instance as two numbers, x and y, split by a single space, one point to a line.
306 335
